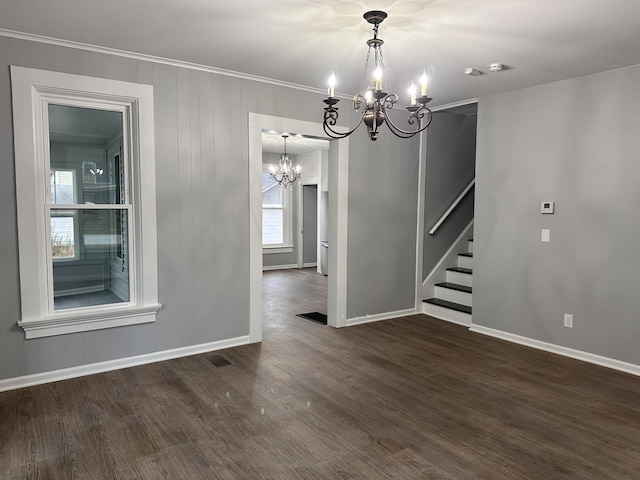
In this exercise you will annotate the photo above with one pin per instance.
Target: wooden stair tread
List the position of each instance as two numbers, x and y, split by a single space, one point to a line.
455 286
452 305
468 271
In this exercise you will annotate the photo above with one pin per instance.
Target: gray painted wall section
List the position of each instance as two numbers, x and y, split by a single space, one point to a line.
574 142
450 166
310 224
383 200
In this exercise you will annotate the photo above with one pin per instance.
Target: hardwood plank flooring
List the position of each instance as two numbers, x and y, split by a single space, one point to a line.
410 398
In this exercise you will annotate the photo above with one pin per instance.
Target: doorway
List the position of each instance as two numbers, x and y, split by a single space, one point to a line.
337 182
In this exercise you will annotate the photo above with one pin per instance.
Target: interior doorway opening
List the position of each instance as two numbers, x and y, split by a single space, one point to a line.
336 179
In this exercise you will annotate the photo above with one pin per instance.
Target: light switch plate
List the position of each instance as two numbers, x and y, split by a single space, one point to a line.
546 235
547 207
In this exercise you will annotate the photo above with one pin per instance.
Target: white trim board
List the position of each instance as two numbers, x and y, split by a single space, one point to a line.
92 368
377 317
564 351
279 267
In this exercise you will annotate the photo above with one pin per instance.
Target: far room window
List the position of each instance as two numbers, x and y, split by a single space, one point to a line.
64 245
276 213
87 234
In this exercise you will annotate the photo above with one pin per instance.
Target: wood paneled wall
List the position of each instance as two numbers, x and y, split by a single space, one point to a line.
201 129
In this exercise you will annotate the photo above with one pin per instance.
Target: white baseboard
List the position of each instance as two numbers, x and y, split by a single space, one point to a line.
310 264
279 267
90 369
380 316
567 352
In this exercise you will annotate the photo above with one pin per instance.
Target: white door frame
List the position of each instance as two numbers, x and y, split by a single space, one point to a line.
338 186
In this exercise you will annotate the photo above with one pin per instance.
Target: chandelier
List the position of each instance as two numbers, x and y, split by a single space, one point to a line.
375 103
285 173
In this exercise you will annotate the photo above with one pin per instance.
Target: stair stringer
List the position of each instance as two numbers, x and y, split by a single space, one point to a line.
450 258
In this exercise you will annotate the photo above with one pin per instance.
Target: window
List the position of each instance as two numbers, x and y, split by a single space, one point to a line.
276 215
87 236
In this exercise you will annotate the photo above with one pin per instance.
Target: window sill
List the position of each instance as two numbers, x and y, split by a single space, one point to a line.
278 249
63 323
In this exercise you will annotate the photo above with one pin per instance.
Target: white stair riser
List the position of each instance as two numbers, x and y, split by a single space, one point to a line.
466 262
470 247
460 278
451 295
447 314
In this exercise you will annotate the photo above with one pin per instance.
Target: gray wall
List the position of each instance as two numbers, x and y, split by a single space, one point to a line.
383 201
450 166
201 125
575 142
310 224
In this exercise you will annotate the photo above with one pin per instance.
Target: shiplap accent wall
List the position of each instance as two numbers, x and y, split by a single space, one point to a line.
203 216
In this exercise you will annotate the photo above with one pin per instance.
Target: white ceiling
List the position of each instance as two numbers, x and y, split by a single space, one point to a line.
296 144
302 41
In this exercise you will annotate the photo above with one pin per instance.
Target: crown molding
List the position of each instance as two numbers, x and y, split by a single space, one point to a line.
152 58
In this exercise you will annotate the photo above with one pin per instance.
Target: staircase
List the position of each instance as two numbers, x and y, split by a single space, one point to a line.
452 298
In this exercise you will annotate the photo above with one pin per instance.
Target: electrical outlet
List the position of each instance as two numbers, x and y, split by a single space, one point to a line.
568 320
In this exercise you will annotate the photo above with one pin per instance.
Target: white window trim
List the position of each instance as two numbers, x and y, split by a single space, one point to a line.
29 86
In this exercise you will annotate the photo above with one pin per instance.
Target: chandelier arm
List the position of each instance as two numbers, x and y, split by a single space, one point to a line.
414 118
330 119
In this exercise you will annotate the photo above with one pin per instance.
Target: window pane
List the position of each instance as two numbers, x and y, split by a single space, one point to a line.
86 142
63 186
272 226
63 237
271 191
98 273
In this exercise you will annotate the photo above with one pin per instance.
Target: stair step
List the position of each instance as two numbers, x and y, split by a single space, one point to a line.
454 292
452 305
459 275
455 286
468 271
465 260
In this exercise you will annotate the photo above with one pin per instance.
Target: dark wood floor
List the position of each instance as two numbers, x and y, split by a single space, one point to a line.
412 398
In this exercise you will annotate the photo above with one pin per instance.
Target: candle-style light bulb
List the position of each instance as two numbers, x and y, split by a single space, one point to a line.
378 76
423 84
272 168
332 84
412 92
